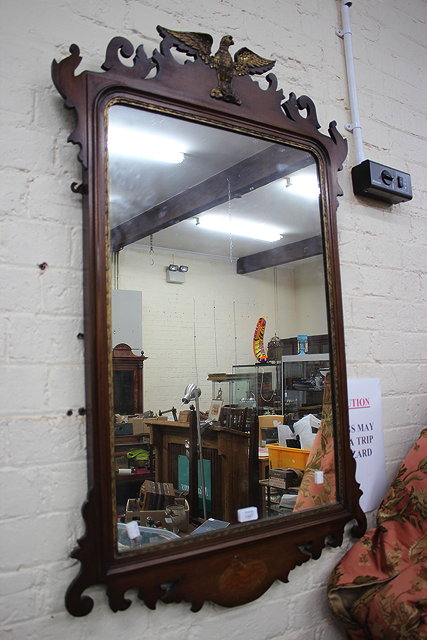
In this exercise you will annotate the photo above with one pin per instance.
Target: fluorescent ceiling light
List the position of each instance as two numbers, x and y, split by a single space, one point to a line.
123 141
239 227
303 185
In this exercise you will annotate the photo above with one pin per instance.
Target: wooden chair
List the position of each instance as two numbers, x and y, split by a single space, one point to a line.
233 418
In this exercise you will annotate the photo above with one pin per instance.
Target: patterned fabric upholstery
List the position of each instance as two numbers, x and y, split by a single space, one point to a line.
379 588
321 458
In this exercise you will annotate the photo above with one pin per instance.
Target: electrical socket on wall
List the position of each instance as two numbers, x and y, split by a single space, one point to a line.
374 180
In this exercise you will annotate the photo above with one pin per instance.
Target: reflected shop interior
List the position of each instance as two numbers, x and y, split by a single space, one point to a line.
220 347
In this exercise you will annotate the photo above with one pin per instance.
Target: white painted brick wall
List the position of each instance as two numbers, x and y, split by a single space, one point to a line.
383 249
184 342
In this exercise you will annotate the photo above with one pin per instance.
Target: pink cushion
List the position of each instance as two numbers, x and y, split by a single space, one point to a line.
379 588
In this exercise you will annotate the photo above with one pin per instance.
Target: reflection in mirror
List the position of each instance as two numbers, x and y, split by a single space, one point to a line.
211 231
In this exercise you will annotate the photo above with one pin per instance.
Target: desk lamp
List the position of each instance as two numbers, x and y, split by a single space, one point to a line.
192 392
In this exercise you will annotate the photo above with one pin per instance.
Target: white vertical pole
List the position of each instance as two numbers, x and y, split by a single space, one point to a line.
355 126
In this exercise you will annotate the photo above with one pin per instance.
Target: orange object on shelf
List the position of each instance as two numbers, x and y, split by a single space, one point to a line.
281 457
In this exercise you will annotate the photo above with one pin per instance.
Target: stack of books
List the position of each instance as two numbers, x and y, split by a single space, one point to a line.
156 496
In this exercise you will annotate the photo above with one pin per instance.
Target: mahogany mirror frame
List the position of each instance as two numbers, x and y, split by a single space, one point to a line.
237 566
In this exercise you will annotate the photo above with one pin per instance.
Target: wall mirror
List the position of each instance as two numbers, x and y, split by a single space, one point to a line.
209 205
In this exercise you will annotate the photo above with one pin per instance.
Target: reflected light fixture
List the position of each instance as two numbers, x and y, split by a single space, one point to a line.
124 141
239 227
174 267
175 274
303 185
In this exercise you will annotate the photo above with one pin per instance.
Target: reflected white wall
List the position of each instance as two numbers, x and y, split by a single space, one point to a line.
206 325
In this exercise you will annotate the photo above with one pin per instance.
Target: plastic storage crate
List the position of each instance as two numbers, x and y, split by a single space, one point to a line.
281 457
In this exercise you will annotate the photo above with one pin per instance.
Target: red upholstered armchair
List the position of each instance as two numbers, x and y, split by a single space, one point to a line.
378 591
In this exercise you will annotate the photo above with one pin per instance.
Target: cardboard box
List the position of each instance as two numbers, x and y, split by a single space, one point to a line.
184 416
134 512
139 425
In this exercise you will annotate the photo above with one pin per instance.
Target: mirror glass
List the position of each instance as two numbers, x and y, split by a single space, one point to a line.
213 230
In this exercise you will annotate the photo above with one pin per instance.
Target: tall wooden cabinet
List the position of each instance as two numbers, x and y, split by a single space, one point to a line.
127 380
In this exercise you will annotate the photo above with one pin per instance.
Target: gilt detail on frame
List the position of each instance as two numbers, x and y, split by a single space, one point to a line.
219 68
226 68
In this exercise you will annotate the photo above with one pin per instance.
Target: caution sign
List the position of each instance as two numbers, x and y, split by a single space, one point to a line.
366 439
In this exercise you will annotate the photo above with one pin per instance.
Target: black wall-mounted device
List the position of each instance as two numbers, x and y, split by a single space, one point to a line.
374 180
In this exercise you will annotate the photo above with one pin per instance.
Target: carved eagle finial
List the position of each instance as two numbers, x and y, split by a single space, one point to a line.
200 44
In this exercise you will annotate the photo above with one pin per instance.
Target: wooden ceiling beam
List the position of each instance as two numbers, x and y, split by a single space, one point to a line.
280 255
252 173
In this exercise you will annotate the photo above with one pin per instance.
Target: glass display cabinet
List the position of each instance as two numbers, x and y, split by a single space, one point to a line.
303 385
256 386
221 383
